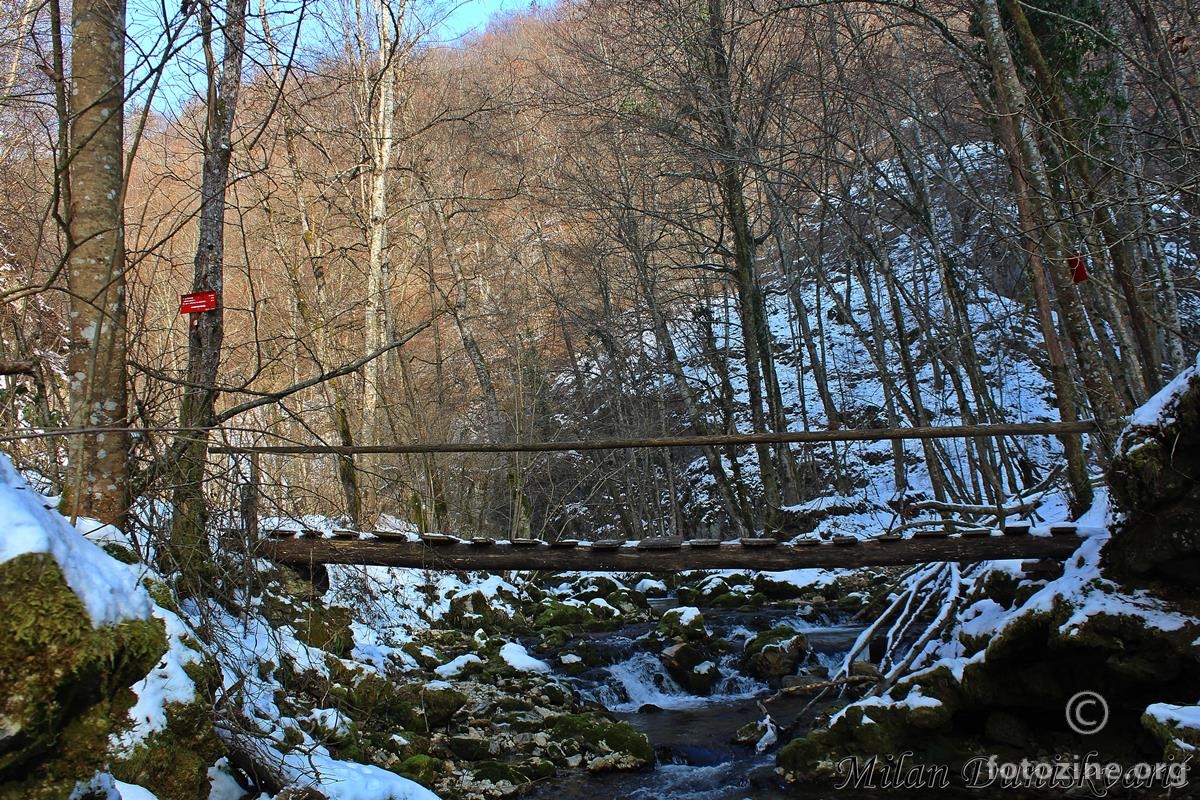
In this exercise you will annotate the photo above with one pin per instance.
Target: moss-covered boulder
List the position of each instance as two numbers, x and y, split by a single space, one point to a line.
886 725
684 623
1155 480
175 760
472 610
690 667
589 587
608 745
423 769
555 614
774 653
66 683
326 627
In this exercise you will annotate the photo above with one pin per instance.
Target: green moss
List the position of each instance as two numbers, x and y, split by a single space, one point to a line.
600 735
593 586
672 626
66 682
175 761
560 615
628 602
440 706
121 553
775 652
469 748
423 769
496 771
473 610
327 628
536 769
376 701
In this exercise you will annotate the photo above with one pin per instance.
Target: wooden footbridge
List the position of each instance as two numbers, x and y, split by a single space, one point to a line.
949 540
442 552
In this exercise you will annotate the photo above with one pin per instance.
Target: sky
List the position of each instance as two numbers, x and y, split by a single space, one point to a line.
182 79
472 16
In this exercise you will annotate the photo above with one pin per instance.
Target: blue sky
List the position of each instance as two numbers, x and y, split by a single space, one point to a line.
182 79
472 16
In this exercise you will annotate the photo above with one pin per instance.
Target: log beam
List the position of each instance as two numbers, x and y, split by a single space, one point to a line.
462 555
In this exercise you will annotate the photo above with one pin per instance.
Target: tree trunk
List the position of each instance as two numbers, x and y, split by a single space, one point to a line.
97 476
1011 123
188 549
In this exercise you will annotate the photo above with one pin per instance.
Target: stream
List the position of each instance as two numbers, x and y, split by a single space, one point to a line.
693 736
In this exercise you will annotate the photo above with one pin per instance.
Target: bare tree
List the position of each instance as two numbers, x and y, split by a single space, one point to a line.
97 481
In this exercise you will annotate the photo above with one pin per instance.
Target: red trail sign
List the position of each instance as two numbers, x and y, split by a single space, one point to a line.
197 302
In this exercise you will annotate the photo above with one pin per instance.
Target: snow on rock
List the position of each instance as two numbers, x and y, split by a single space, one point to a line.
651 587
130 791
809 577
167 683
1182 716
452 668
1156 411
518 658
108 589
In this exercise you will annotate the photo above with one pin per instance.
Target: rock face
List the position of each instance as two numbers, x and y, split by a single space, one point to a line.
1023 648
1155 480
65 684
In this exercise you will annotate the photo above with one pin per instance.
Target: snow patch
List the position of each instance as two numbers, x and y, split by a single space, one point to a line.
518 658
107 588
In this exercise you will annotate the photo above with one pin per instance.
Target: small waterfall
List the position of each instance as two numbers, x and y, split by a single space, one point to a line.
642 680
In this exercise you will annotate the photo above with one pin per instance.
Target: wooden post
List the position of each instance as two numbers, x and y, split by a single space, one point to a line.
248 501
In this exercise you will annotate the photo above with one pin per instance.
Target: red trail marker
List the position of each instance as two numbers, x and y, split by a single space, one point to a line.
1079 271
197 302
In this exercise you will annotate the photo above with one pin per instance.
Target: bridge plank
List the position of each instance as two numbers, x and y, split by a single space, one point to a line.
501 556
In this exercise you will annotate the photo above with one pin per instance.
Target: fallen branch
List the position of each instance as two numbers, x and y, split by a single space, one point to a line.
820 686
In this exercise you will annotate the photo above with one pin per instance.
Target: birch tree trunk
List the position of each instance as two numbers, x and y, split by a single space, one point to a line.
379 112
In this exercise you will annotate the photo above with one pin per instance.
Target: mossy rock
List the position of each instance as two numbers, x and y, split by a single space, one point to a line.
326 628
685 623
554 614
774 653
469 748
498 772
175 760
440 705
66 682
536 769
729 600
690 667
423 769
375 699
554 638
424 659
121 553
776 589
601 736
1179 741
592 586
923 730
472 610
1155 480
628 602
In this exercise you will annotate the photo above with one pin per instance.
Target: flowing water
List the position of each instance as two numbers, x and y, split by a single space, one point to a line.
693 736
